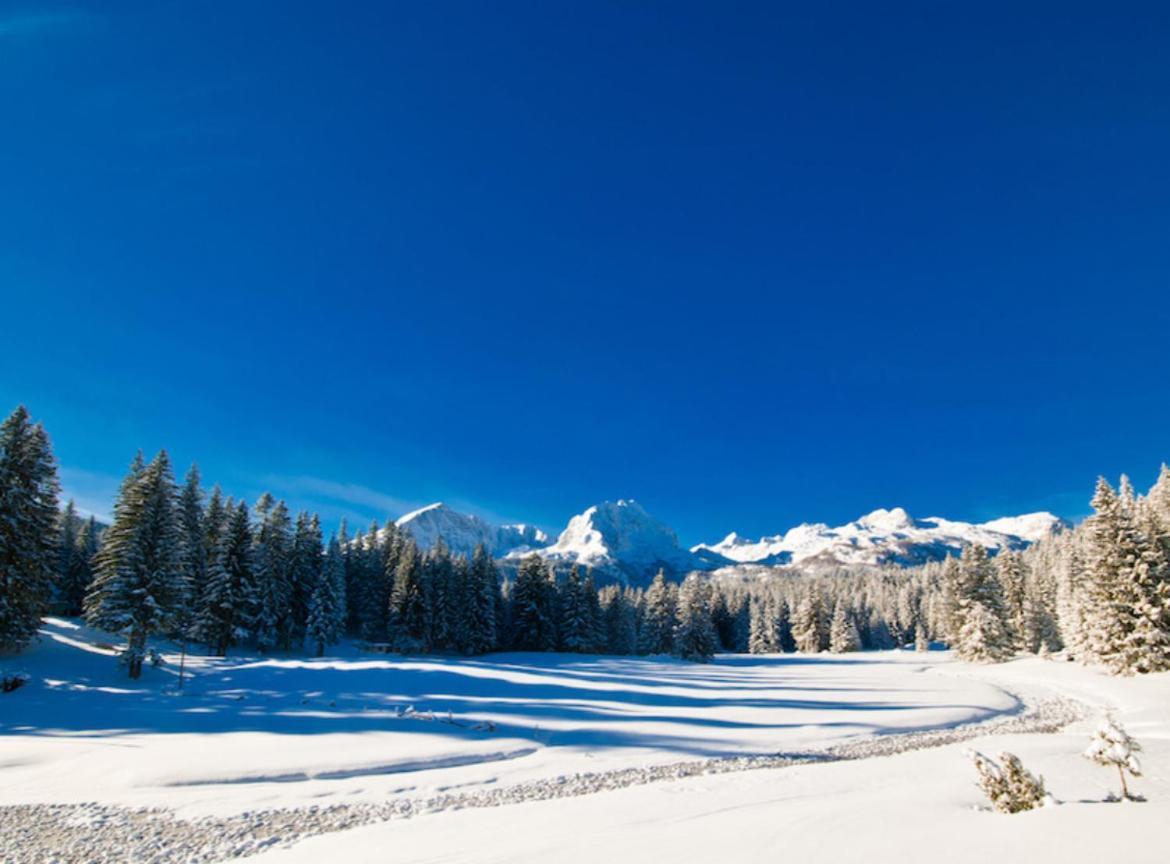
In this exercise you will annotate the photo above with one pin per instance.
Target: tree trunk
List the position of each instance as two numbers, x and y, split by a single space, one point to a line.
1124 788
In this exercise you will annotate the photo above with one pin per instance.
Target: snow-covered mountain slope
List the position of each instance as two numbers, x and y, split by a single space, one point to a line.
884 536
620 537
462 532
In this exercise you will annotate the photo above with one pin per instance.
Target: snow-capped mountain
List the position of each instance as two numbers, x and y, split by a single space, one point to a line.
883 536
621 541
621 538
462 532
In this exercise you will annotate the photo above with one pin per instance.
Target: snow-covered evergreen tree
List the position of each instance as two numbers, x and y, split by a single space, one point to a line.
808 622
408 618
325 616
76 544
576 627
843 636
656 633
621 620
140 567
762 633
983 634
533 608
28 527
220 622
694 634
479 613
1010 787
1124 613
1111 745
269 594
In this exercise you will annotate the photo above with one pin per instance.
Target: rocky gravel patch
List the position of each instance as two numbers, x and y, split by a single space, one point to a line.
77 833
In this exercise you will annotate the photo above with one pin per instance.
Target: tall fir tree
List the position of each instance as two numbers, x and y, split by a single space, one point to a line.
984 633
325 617
533 608
221 622
656 633
694 634
483 589
843 635
808 623
76 545
140 567
28 527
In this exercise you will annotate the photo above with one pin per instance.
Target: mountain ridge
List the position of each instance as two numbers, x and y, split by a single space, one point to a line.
621 540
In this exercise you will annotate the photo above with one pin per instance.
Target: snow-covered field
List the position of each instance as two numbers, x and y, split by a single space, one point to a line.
363 737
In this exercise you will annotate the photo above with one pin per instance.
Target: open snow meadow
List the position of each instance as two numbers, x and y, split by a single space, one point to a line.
367 757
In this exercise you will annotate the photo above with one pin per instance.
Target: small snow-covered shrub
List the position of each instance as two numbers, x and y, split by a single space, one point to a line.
1111 745
1010 787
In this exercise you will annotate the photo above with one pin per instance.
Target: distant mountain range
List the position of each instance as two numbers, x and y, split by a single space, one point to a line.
621 541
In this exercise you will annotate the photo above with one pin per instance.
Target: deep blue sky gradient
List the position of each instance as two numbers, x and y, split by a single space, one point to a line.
752 264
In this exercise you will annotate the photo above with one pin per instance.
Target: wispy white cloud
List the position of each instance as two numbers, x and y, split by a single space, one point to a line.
354 494
92 492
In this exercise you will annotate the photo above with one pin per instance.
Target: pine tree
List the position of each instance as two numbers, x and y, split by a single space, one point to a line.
268 594
325 617
305 575
843 636
221 622
762 635
533 607
621 621
1111 745
656 634
576 625
483 589
1010 573
188 595
1125 630
408 613
808 624
694 634
140 567
74 572
983 630
28 528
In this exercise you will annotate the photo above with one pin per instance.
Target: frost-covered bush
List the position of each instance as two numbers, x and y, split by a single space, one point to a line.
1010 787
1111 745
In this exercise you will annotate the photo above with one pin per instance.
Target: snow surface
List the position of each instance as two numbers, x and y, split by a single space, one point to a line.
254 735
914 808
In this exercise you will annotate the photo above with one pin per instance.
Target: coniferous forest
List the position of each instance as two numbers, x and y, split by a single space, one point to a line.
215 574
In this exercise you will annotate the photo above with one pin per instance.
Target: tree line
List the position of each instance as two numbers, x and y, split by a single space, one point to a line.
216 572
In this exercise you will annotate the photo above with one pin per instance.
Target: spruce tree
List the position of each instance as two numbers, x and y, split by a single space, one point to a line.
140 568
984 634
408 615
656 634
74 571
533 607
221 622
843 636
808 623
28 528
621 621
694 634
576 625
483 588
325 616
1124 619
269 593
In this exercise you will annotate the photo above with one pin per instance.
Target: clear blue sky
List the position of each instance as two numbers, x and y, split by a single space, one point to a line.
752 264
